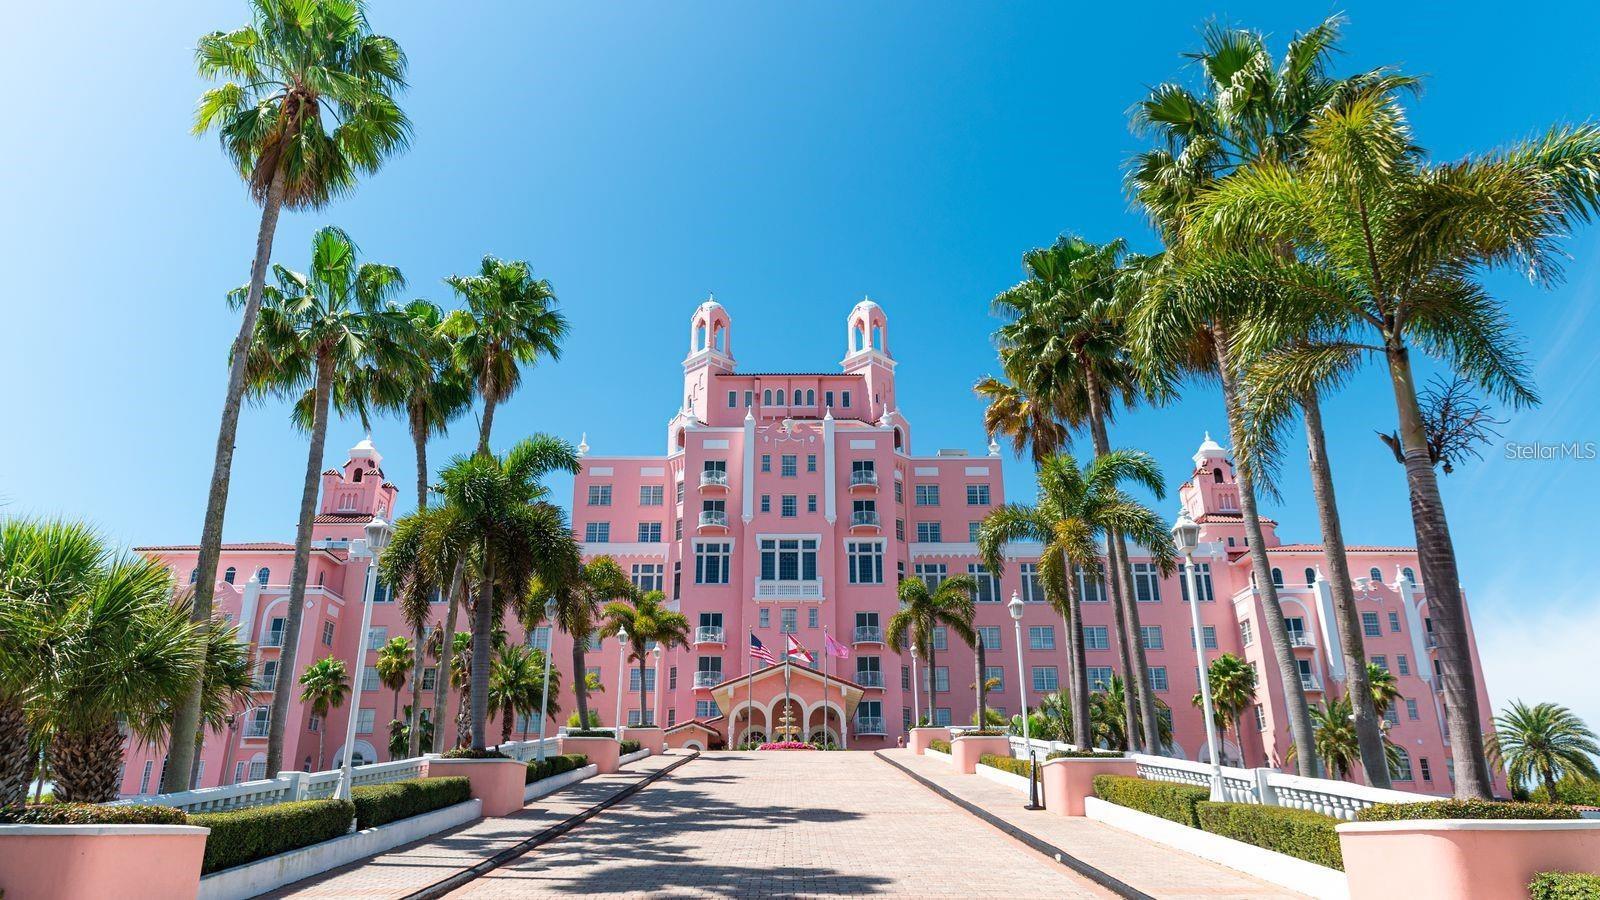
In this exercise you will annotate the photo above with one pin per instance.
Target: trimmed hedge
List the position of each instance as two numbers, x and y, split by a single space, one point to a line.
555 765
629 747
1171 801
1464 809
589 732
1006 764
1564 886
941 746
469 753
380 804
92 814
1294 832
1083 754
246 835
981 732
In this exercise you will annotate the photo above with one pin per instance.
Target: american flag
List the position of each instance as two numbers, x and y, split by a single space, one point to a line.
798 652
759 651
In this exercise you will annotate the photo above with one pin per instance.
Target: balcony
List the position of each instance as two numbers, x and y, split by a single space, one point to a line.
707 679
1300 641
710 634
714 518
865 518
263 686
714 479
1310 683
872 678
788 590
869 634
864 481
273 639
255 730
867 725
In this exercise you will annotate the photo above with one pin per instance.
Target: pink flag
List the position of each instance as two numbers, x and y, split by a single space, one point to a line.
833 647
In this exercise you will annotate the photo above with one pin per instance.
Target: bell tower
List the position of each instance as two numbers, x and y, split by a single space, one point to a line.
867 354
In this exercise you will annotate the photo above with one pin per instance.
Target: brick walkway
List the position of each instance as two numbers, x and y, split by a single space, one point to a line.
1149 867
784 825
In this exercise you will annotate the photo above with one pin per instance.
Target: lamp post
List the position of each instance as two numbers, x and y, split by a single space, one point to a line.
916 709
1015 607
1185 538
622 668
549 644
655 695
378 532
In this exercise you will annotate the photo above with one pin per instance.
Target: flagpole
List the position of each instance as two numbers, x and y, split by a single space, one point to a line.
749 686
825 654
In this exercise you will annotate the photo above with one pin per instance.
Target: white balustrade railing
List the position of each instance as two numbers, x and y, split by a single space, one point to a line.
1341 799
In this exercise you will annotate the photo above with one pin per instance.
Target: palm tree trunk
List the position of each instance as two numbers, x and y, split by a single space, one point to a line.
419 441
86 763
199 750
486 425
1294 695
482 637
641 687
414 726
1081 734
321 754
1238 733
284 683
186 723
1369 737
16 762
441 683
1442 582
580 678
507 719
983 689
933 680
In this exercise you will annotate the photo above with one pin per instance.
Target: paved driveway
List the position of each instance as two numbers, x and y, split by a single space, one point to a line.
784 825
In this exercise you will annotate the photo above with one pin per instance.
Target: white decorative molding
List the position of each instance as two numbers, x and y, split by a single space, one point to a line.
630 549
715 444
862 443
925 470
977 470
601 470
653 471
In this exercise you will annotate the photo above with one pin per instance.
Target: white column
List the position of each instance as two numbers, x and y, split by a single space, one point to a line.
829 484
747 478
247 610
1327 623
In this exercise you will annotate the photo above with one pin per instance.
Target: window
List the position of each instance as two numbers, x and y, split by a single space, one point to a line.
941 679
788 621
1310 576
633 679
977 495
766 503
144 779
652 495
327 634
811 460
377 637
941 716
788 465
369 679
764 619
1044 679
194 574
1146 583
994 678
788 559
268 679
1392 716
1381 662
597 532
1375 576
677 530
1394 623
1202 578
1210 634
539 637
1403 664
1150 636
633 717
989 635
649 532
811 503
899 492
263 574
380 591
599 495
1095 637
781 400
927 494
1422 763
941 638
680 492
1032 587
1261 719
711 562
1157 676
230 574
929 533
972 531
1296 626
1041 637
905 678
1091 587
364 721
1410 575
899 529
866 561
766 397
1277 578
733 399
1099 678
932 574
1370 626
844 399
430 677
766 462
988 585
647 576
1411 709
827 399
1400 764
706 709
1246 633
789 506
811 617
275 632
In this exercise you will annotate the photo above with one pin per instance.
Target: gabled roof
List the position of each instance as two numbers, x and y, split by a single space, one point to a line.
696 723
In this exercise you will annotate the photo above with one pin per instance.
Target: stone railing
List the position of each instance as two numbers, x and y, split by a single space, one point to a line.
1341 799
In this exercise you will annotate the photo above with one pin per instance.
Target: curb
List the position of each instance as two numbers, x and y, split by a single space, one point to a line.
1109 882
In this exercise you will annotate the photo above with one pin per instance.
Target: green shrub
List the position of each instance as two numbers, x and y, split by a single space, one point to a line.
246 835
1166 799
555 765
380 804
93 814
941 746
981 732
469 753
1574 789
1006 764
629 747
590 732
1464 809
1083 754
1295 832
1564 886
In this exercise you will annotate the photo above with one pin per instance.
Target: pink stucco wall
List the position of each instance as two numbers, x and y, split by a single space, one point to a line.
46 862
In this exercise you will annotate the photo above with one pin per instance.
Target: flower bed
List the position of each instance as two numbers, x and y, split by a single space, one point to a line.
555 765
380 804
1464 809
93 814
1295 832
1084 754
940 746
1007 764
246 835
786 745
1171 801
1564 886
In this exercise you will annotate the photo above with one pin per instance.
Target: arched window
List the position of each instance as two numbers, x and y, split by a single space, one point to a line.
1216 475
899 438
722 339
1400 764
1410 575
780 397
229 575
700 337
357 479
1375 575
263 574
194 574
1311 577
877 337
1277 578
860 337
766 398
811 398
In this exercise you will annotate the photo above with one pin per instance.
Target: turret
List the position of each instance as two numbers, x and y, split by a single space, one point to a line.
867 353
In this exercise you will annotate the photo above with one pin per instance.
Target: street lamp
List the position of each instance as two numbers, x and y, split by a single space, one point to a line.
655 696
1015 607
378 532
622 666
1185 538
549 644
916 709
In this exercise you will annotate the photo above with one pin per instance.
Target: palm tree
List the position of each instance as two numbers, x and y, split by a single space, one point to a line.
400 737
280 74
424 385
324 685
1391 251
1542 743
1075 508
426 559
395 661
455 669
1335 740
514 534
516 687
580 594
1027 422
510 322
227 685
1385 690
947 605
1107 722
649 623
1233 689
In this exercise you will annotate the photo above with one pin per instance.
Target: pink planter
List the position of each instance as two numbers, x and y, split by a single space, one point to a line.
922 737
497 782
602 752
966 750
652 739
1437 859
1068 780
70 861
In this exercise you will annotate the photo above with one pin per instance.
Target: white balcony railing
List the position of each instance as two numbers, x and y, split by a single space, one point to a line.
707 679
256 729
869 634
710 634
1270 787
273 639
1310 683
869 678
713 478
789 590
713 518
1300 639
864 478
864 518
263 685
869 725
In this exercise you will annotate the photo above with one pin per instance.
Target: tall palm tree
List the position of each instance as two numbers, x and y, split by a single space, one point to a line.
510 322
228 682
424 385
923 611
454 657
1335 737
1384 688
580 594
295 70
1075 508
649 623
1233 689
395 662
1391 251
1028 423
312 335
514 534
425 559
516 686
1544 742
324 684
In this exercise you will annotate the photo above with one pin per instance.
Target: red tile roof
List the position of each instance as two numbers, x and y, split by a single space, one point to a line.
252 545
1232 517
1352 548
341 518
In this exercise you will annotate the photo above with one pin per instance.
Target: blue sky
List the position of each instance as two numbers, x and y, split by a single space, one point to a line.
791 159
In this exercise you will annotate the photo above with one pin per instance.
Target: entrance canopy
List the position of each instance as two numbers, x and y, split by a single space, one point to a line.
801 704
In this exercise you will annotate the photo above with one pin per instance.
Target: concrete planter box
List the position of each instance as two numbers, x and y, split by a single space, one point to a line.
966 750
124 861
546 786
937 754
1267 865
1068 780
921 737
602 752
1453 858
497 782
635 756
273 872
652 739
1001 776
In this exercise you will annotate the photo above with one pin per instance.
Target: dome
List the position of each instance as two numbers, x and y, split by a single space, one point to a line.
365 450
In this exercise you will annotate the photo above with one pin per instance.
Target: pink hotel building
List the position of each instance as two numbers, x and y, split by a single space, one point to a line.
793 503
